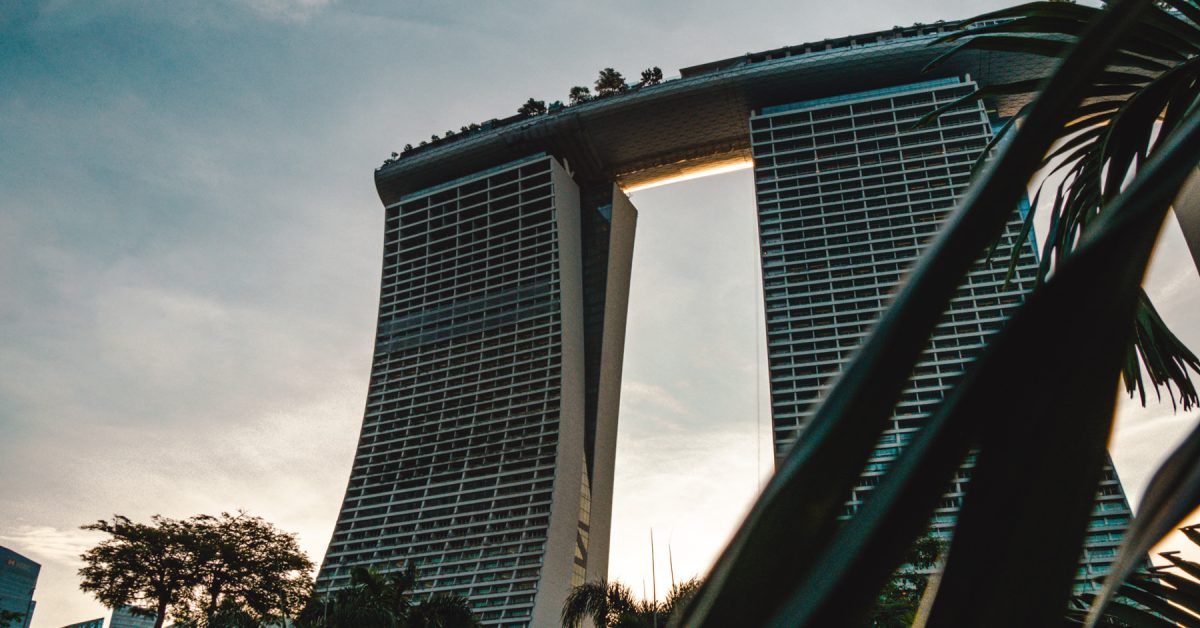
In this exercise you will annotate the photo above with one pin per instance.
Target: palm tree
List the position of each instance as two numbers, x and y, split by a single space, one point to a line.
611 605
373 600
376 600
678 598
441 611
1122 112
605 603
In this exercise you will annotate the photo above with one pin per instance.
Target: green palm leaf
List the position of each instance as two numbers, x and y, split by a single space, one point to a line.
780 545
1109 135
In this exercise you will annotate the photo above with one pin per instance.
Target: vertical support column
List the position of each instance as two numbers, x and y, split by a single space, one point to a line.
622 224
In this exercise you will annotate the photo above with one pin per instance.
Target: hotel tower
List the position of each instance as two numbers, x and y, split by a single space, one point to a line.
487 447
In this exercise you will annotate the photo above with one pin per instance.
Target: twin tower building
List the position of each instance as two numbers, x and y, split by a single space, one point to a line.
487 449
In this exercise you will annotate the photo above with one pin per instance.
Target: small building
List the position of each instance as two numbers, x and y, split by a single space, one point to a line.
18 579
124 617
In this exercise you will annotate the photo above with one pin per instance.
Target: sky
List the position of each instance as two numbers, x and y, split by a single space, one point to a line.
190 246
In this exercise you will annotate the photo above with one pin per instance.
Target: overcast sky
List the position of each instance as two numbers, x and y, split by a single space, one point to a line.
190 247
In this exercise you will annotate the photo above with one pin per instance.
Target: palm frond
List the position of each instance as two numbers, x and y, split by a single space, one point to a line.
784 539
1104 144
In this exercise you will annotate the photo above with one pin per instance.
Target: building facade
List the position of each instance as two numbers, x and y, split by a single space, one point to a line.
487 447
18 579
91 623
486 454
849 190
124 617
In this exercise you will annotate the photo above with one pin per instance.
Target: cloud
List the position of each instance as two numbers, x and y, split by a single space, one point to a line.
642 394
289 10
49 544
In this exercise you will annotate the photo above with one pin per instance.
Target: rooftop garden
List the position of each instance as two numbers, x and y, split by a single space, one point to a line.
609 83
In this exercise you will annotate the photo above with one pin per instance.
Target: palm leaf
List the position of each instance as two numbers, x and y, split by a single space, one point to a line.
1134 617
1066 426
1100 146
1026 86
1186 596
852 566
1186 566
1188 9
1162 607
1173 492
796 517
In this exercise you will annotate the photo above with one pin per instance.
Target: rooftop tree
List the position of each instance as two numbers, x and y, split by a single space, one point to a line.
579 94
532 108
610 82
651 76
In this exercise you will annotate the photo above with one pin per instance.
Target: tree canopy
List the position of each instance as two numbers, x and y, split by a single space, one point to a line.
610 82
900 598
651 76
532 108
579 94
228 570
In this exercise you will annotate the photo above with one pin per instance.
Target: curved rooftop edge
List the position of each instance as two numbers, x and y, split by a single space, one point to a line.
701 120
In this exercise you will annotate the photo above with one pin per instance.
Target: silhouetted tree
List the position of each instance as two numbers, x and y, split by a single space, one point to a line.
375 600
146 566
611 605
205 571
9 619
605 603
245 566
899 600
441 611
532 108
651 76
579 94
610 82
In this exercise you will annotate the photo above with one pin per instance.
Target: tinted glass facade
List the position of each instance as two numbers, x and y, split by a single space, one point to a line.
478 447
848 193
124 617
18 579
487 448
